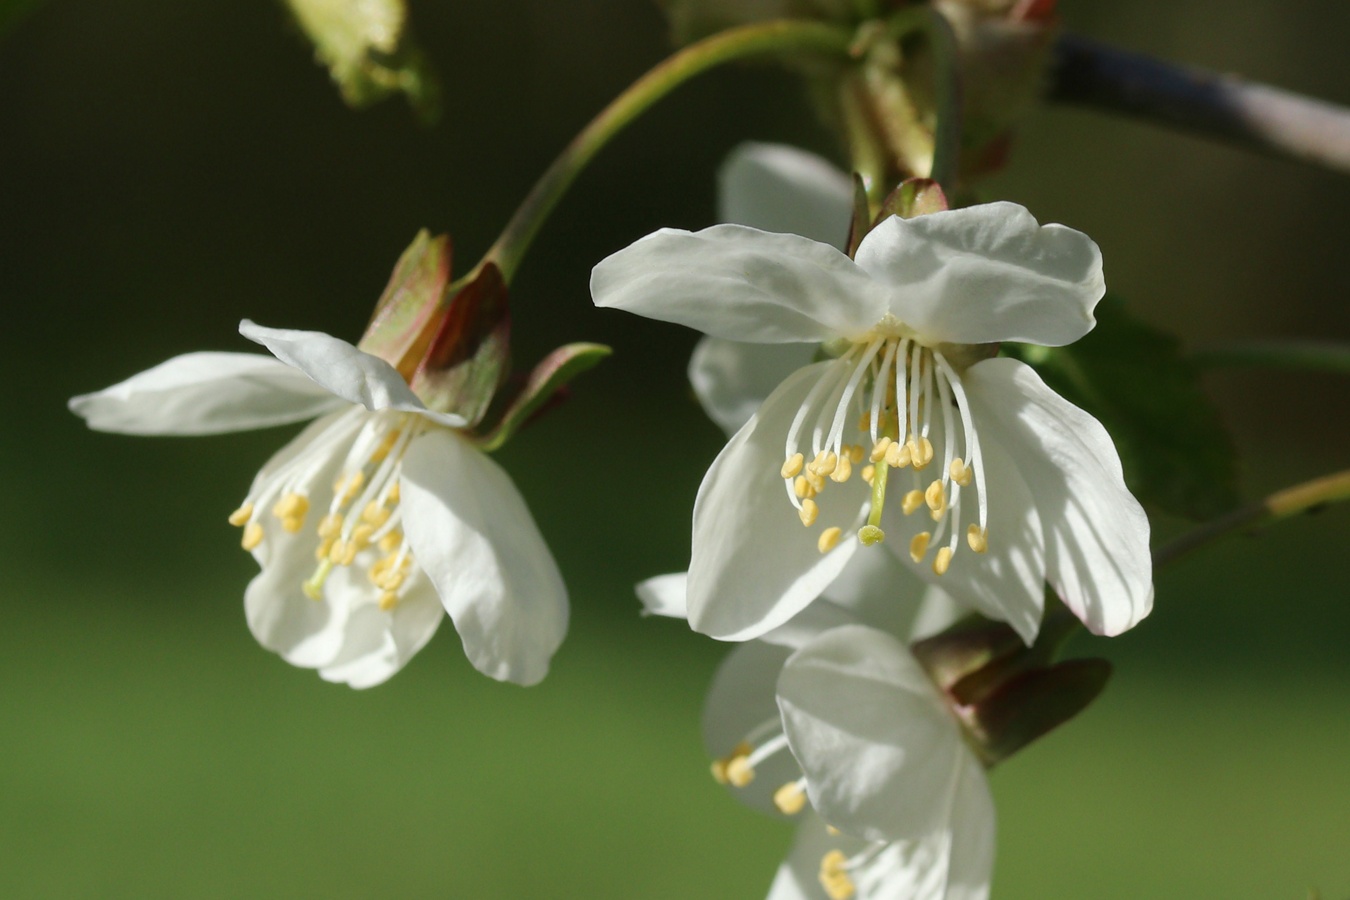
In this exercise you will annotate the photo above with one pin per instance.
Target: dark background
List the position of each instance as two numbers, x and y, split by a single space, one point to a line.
167 169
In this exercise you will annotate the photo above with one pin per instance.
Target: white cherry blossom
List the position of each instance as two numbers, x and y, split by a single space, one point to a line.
375 519
912 434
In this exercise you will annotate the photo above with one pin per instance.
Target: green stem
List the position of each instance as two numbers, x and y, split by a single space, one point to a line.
947 78
1280 505
788 36
1312 356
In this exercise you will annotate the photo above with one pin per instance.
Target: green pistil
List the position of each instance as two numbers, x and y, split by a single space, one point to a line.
871 533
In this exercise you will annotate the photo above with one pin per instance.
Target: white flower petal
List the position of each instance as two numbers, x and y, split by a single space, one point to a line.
732 379
1007 582
883 592
880 749
470 531
741 284
986 273
753 565
779 188
342 369
377 643
1096 533
663 595
206 393
798 878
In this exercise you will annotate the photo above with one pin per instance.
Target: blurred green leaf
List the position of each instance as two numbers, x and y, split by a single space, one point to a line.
366 47
1176 452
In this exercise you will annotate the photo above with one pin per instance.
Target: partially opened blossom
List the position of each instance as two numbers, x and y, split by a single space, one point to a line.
382 514
829 719
913 435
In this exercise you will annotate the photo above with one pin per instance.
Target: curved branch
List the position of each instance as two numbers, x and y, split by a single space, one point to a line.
1226 107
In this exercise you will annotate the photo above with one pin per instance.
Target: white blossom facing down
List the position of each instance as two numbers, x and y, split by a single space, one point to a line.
368 526
968 467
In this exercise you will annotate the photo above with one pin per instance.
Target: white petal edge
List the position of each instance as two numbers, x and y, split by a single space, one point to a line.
342 369
732 379
986 273
664 595
470 531
779 188
206 393
880 750
378 643
753 566
1096 533
741 284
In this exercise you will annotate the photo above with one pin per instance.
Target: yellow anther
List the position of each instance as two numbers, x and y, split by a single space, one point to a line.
342 553
832 831
386 445
292 524
871 534
842 471
347 486
868 473
291 506
241 515
389 581
391 540
388 600
790 798
816 480
361 536
739 771
935 497
808 512
392 495
977 538
375 514
898 456
942 561
864 422
824 463
253 535
856 452
834 877
920 451
802 488
330 525
829 538
918 546
325 547
911 501
879 449
793 467
719 770
961 473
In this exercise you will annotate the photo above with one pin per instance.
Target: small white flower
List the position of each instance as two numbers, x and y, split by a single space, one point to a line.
830 713
370 521
912 435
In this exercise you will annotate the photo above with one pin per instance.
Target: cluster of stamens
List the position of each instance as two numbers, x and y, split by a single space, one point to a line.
363 514
902 396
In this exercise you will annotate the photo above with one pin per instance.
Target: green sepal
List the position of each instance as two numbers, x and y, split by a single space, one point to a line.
858 225
470 354
1033 703
968 656
914 197
408 312
1175 450
551 374
368 52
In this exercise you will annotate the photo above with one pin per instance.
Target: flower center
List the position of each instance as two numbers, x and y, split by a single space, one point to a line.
363 518
887 403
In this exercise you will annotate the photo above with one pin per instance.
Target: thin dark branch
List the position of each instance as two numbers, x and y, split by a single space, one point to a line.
1226 107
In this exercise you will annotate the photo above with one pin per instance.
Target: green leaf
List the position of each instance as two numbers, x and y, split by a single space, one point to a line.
548 378
365 45
1176 451
406 316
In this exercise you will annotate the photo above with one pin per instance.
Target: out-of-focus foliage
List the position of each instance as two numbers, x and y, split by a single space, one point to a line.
1176 452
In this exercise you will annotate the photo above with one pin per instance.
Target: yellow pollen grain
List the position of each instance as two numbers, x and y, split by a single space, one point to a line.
337 552
832 831
793 467
739 771
824 463
375 514
935 497
347 486
942 561
719 770
389 581
834 877
292 524
790 798
241 515
330 525
865 422
898 456
868 473
842 471
361 536
977 538
386 445
816 480
911 501
879 449
324 548
253 535
388 600
802 488
961 473
389 543
829 538
291 506
856 452
393 494
808 512
920 451
918 546
871 535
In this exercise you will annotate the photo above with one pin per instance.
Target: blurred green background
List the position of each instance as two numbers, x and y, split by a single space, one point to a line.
168 168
